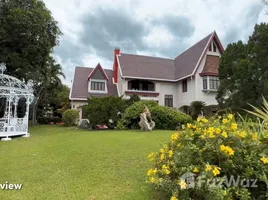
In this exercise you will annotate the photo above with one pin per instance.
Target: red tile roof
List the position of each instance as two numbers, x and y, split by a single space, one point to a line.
211 67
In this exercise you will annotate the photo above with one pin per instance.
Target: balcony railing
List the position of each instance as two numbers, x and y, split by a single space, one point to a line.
144 95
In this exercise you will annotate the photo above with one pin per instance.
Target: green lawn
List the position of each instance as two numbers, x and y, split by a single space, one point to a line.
62 163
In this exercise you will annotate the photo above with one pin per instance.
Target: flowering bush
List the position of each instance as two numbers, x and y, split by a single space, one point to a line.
215 159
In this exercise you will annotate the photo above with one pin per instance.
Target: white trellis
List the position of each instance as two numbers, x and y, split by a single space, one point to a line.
15 99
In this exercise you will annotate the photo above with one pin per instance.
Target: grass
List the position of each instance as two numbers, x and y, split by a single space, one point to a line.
61 163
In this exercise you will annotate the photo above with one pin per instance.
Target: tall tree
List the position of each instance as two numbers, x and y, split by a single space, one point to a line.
48 79
243 71
28 34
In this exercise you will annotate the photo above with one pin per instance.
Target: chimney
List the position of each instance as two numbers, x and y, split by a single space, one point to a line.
116 64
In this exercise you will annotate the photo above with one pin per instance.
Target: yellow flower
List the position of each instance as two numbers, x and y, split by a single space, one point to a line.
216 171
264 160
234 126
199 119
204 120
150 172
242 134
162 157
151 157
189 125
230 116
165 169
224 134
174 198
175 137
162 150
208 168
195 170
170 153
182 184
225 121
155 171
211 129
218 131
228 150
152 180
211 135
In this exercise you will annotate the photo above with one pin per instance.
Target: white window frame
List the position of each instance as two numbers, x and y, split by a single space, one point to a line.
208 83
97 91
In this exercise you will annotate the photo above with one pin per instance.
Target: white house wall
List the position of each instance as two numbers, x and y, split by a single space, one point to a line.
185 98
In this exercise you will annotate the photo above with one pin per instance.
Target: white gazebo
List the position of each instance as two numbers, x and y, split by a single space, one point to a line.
15 99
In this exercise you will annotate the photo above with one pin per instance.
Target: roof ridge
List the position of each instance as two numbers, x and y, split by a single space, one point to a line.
171 59
208 36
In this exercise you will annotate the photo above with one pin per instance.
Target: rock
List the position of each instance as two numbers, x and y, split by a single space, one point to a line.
146 123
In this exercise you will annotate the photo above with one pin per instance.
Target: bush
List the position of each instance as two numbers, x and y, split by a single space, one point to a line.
164 117
102 110
70 117
208 152
48 120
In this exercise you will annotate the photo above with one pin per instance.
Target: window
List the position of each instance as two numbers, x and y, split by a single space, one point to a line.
205 83
214 47
214 82
184 85
169 100
98 85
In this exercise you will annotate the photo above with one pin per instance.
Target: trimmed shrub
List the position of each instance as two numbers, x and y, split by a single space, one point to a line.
164 117
49 120
217 159
70 117
103 110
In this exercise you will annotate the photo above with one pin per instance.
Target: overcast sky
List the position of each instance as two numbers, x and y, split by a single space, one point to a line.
93 28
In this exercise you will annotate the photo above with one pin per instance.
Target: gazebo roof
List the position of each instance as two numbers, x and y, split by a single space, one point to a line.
8 82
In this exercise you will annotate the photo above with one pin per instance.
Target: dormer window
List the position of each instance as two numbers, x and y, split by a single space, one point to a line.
97 86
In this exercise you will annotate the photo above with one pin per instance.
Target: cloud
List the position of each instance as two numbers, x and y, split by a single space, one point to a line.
105 29
243 28
92 29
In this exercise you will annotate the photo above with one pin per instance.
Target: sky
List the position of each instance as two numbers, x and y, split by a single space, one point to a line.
92 29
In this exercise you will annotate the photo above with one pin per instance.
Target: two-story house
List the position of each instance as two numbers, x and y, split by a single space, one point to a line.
191 76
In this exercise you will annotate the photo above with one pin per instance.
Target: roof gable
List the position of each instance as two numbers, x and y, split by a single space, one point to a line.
186 62
184 65
97 72
79 88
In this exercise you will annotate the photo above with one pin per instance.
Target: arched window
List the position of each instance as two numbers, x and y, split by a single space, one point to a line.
21 108
3 101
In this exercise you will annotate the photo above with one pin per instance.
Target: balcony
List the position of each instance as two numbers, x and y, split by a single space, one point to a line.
143 88
144 95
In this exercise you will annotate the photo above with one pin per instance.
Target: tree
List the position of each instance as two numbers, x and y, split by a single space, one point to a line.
49 78
57 99
28 34
243 71
197 108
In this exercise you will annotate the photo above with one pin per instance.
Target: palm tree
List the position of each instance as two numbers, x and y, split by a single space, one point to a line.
48 78
197 108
